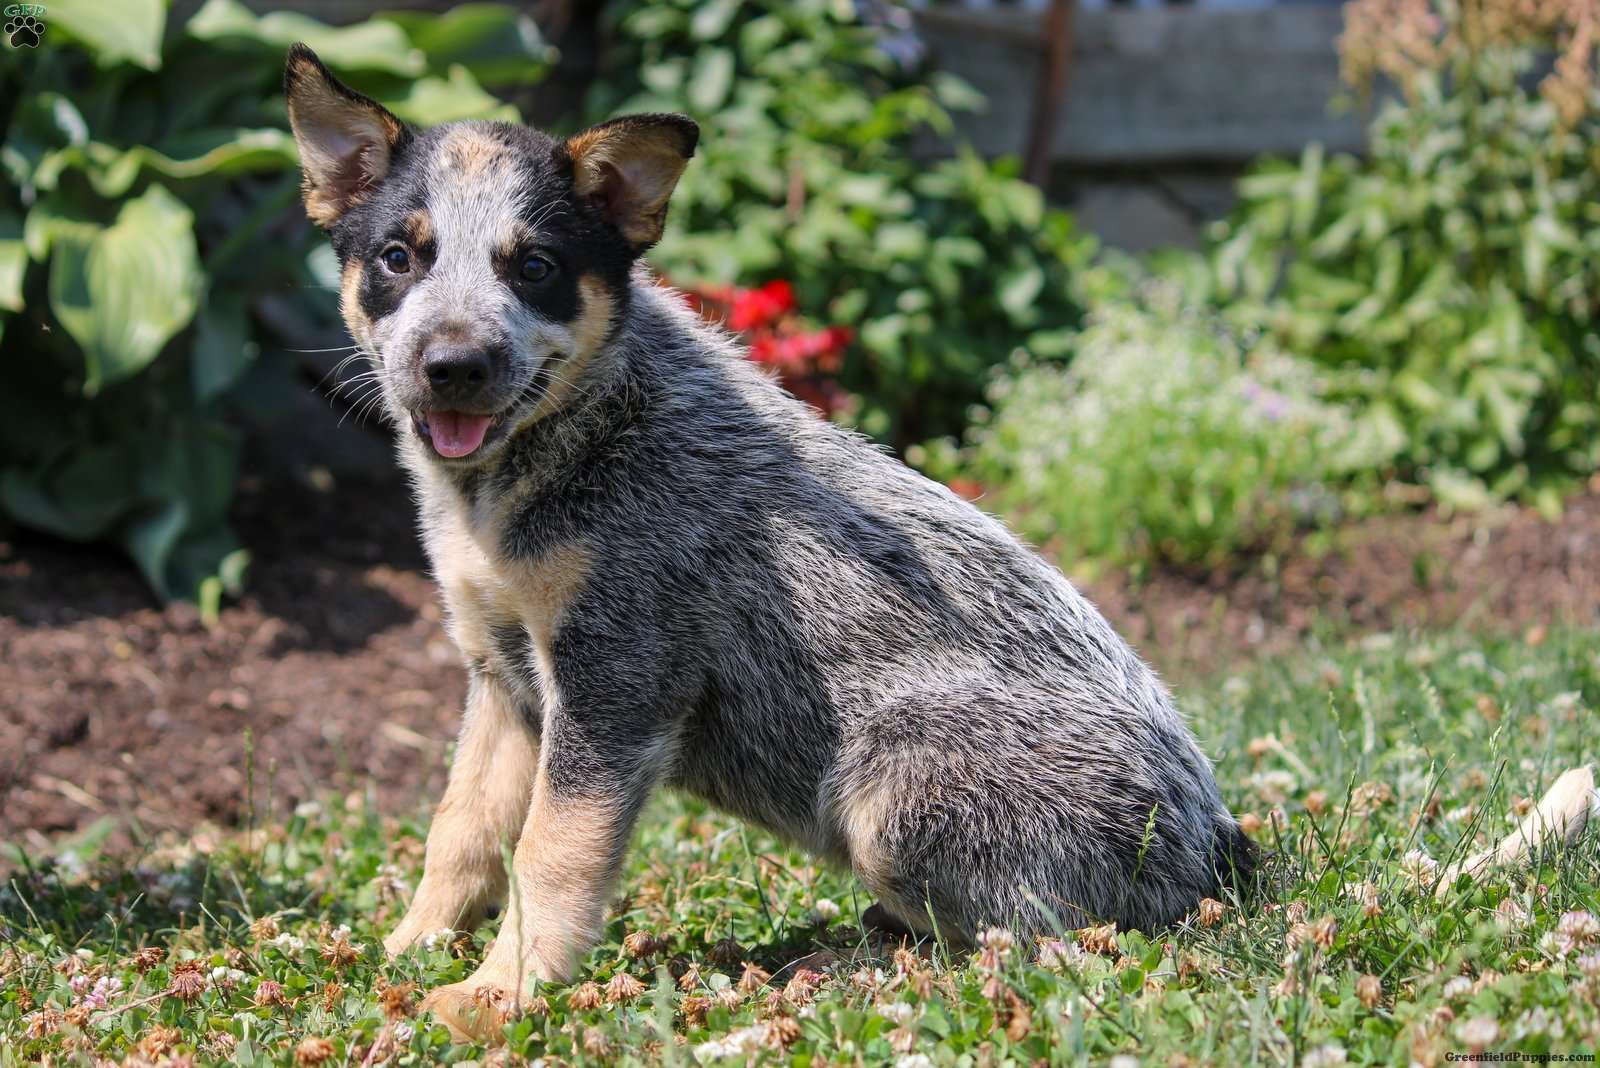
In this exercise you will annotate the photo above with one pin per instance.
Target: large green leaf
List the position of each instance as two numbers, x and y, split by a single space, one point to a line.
193 154
13 262
124 290
79 496
430 101
116 31
43 126
499 45
223 347
373 45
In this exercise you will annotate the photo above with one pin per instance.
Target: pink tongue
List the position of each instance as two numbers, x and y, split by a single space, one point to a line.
457 433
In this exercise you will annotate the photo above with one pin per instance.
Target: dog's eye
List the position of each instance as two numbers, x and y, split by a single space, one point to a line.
536 268
397 259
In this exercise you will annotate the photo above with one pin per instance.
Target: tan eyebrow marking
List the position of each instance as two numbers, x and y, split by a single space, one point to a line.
419 228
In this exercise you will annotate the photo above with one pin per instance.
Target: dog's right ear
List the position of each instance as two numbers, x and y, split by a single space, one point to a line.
347 141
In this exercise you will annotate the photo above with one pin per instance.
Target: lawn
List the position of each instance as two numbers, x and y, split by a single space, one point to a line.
1359 770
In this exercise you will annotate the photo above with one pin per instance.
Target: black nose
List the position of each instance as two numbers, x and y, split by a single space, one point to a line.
457 371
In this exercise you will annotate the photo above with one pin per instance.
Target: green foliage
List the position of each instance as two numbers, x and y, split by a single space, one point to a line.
806 172
150 198
1448 280
1166 437
1377 760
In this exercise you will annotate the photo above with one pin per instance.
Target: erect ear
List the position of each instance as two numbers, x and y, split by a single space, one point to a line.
347 141
629 166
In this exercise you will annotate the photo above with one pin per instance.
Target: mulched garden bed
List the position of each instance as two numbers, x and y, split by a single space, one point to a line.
334 673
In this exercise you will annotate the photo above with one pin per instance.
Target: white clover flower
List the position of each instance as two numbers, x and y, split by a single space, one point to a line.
1479 1032
913 1060
435 939
1579 926
1538 1021
1459 987
998 939
744 1042
1059 953
827 910
897 1012
1274 787
287 944
1324 1056
1418 866
106 990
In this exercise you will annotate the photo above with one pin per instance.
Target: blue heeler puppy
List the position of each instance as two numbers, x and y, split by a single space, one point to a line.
662 569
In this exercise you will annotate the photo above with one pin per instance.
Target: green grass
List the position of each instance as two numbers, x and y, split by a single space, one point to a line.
1369 753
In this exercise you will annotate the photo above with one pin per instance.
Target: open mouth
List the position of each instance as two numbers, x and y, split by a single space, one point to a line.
456 435
453 434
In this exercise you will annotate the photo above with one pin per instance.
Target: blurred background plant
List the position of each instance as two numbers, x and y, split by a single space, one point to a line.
1168 438
1414 324
807 173
150 202
1448 281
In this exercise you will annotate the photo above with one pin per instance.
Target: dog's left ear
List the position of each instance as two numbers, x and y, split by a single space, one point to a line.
347 141
629 166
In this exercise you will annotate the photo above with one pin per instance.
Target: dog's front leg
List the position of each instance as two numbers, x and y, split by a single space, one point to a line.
484 805
584 807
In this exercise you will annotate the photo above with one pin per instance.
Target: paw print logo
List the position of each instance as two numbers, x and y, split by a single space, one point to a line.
24 31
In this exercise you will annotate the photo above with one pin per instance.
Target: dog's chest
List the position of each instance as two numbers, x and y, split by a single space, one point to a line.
503 613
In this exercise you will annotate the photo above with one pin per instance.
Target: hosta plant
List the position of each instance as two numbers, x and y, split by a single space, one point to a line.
148 204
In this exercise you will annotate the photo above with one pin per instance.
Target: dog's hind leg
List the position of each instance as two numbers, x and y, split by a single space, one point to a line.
480 816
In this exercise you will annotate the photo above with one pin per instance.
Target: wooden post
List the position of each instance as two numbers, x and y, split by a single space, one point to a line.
1051 88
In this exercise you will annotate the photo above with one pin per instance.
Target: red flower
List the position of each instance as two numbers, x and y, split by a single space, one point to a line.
753 308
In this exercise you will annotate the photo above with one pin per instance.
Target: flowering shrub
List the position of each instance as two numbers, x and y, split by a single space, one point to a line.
1449 280
806 360
1166 437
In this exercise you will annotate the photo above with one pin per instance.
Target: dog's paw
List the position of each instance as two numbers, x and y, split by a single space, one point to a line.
471 1012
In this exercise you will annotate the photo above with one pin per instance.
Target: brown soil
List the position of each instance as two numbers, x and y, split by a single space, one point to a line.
1509 570
333 672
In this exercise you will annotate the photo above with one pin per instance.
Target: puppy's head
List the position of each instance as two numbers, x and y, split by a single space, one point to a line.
483 262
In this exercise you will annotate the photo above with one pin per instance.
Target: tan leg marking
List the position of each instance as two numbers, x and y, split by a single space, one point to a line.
483 805
497 758
565 866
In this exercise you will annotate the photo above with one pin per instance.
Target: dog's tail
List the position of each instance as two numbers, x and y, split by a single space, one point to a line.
1561 815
